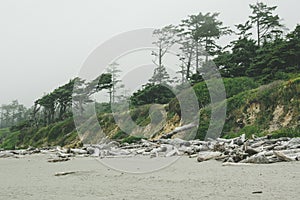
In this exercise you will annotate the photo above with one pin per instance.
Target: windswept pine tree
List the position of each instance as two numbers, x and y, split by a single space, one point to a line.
165 38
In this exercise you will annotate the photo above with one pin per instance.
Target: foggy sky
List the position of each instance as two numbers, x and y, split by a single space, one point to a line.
44 43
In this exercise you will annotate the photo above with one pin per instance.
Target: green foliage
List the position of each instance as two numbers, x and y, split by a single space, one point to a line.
267 24
233 86
160 75
10 141
251 112
151 94
204 120
237 85
140 115
248 130
287 132
55 134
106 122
113 71
13 114
102 108
4 133
267 98
119 135
202 93
131 139
205 29
20 126
61 129
268 58
235 63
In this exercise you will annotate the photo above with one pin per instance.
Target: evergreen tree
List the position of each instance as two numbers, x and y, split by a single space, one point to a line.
203 30
266 23
165 38
115 81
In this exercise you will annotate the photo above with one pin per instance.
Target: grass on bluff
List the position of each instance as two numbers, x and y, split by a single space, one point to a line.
268 97
8 140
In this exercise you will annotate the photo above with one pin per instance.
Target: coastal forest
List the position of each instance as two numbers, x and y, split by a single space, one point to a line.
260 69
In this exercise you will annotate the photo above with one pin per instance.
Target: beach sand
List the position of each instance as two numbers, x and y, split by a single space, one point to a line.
32 177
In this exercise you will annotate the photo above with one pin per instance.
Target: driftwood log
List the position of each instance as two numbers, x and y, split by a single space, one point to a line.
58 160
232 152
283 157
64 173
179 129
208 156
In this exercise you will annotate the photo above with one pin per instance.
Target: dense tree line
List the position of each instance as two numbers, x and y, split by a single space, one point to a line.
12 114
197 36
268 55
261 50
57 105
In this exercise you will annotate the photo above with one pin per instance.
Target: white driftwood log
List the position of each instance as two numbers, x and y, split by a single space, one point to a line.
208 156
174 152
179 129
236 164
78 151
256 159
283 157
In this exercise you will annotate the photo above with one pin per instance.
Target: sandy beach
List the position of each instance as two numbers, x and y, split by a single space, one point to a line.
32 177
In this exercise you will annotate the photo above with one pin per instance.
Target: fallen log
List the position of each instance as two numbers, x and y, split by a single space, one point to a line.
280 148
78 151
208 156
257 192
64 173
290 151
58 160
236 164
283 157
64 155
258 144
120 156
257 159
174 152
224 140
250 151
6 155
193 156
178 130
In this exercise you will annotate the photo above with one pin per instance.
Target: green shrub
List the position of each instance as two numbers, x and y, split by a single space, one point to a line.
234 86
120 135
248 130
132 139
151 94
11 141
60 129
287 132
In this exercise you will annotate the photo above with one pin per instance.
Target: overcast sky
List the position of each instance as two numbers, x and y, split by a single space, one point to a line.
44 43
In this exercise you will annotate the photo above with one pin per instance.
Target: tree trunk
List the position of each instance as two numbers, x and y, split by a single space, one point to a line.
258 32
206 49
197 57
160 57
188 67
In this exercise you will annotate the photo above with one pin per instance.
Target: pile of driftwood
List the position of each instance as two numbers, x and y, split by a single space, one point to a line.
236 151
264 150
